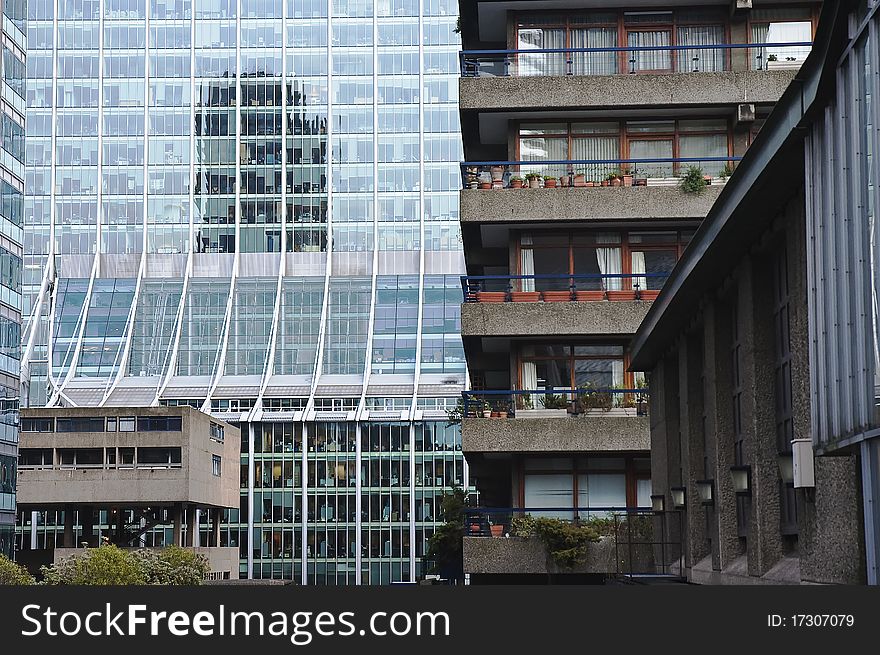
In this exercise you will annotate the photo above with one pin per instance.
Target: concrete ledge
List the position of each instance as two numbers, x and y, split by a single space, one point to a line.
564 434
584 204
517 555
605 317
619 91
784 572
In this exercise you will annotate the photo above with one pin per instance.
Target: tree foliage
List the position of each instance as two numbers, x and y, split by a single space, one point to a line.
444 547
13 574
566 542
110 565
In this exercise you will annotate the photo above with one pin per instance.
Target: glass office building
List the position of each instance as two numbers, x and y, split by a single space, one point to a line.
251 207
12 175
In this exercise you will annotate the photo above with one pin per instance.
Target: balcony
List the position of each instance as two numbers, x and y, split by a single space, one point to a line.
629 542
559 305
628 76
503 192
589 419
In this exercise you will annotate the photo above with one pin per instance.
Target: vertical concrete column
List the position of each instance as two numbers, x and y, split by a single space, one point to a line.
739 58
215 527
176 519
68 541
190 525
119 527
690 372
719 428
758 409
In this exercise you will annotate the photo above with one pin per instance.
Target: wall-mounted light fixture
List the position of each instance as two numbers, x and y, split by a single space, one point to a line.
786 467
742 480
706 489
658 502
679 495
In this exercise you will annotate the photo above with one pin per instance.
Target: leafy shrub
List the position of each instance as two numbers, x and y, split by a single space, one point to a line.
13 574
110 565
692 181
565 542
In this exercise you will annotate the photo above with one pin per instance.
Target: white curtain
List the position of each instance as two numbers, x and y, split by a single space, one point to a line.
602 490
543 149
617 373
594 63
609 261
530 378
699 146
596 147
759 55
541 63
649 60
638 267
526 263
709 60
652 149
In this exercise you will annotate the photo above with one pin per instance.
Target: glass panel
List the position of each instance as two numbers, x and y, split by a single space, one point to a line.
649 60
654 149
549 491
602 490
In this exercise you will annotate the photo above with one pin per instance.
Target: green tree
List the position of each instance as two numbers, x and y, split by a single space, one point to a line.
173 566
105 565
444 547
13 574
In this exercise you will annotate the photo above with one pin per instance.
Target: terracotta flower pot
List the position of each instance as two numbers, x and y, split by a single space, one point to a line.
491 296
496 530
525 296
485 185
565 180
497 173
556 296
516 184
535 183
549 184
581 180
627 180
589 295
590 184
606 183
649 294
616 182
621 295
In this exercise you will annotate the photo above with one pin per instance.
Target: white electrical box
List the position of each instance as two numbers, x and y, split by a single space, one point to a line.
802 463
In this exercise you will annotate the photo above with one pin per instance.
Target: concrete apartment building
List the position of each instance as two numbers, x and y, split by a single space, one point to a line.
763 345
118 473
579 121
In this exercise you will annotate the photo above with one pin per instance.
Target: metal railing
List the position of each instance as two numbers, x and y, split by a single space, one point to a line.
560 173
588 400
631 60
645 542
562 288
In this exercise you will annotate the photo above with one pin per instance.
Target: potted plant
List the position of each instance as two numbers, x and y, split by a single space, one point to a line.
491 296
553 405
485 185
485 410
627 178
534 180
726 172
516 182
497 173
581 180
693 181
549 182
525 296
642 397
496 530
565 180
556 295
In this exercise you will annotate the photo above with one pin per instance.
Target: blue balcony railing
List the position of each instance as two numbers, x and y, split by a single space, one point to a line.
665 171
562 288
587 400
619 60
644 541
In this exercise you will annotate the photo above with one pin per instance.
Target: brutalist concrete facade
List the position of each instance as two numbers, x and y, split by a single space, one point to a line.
736 385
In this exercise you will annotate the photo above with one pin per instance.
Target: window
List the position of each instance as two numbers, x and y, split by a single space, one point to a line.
37 424
217 432
80 424
159 423
126 457
111 424
570 367
215 465
35 457
126 424
780 25
158 457
81 457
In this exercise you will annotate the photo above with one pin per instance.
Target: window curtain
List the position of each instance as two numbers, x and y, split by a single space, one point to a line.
617 373
530 377
544 149
638 267
648 150
700 146
649 60
526 263
609 261
541 63
596 147
759 55
602 490
594 63
551 491
700 60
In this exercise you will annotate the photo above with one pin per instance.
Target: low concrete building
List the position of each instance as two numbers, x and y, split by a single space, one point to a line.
762 347
119 473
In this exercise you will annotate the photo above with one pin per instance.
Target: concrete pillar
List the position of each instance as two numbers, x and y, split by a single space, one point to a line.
119 528
176 519
190 525
758 410
68 536
216 514
719 428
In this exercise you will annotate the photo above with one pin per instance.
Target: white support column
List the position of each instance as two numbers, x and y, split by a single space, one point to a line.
304 511
250 503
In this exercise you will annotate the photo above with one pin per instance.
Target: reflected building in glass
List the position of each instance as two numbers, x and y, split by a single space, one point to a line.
12 176
251 207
